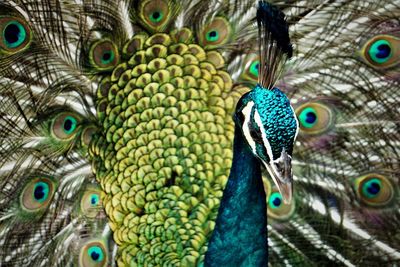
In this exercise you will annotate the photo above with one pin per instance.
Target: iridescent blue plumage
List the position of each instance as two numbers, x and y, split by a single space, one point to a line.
277 117
240 234
270 128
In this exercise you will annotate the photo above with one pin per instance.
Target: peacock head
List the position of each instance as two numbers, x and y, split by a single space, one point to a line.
270 127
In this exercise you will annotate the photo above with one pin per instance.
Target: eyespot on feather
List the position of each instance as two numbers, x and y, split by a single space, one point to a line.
276 208
381 51
215 33
374 189
91 202
251 69
93 254
156 14
104 55
64 126
37 194
314 118
15 35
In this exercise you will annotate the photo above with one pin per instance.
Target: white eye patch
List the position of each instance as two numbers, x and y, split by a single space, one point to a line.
246 111
257 119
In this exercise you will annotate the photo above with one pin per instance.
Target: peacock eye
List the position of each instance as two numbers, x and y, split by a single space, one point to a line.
212 36
156 16
314 118
37 194
94 199
93 254
104 55
64 126
380 51
374 189
308 117
41 192
277 209
155 13
15 34
275 200
91 202
69 124
216 32
252 67
96 253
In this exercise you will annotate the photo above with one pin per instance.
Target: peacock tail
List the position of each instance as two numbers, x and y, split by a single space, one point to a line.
116 130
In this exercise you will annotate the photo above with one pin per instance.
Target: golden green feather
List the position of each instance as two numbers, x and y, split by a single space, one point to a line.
165 155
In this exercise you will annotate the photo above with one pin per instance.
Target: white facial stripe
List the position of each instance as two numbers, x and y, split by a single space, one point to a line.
272 172
267 146
246 131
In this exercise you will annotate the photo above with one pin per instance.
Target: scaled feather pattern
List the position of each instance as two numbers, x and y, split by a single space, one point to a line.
116 130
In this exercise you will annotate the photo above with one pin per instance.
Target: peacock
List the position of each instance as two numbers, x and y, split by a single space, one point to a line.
265 130
117 131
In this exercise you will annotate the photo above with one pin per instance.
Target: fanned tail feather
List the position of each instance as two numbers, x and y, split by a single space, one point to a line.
116 130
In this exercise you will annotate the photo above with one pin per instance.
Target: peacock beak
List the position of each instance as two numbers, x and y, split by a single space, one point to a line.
281 172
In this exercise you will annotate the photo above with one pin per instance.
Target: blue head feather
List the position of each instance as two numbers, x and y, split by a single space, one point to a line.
270 127
279 123
278 118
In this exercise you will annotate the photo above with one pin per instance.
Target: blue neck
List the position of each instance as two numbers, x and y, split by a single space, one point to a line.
240 234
